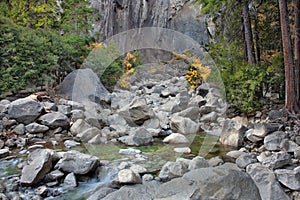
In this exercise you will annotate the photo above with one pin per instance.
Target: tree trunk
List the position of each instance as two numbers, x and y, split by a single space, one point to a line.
248 33
297 48
245 57
256 36
290 97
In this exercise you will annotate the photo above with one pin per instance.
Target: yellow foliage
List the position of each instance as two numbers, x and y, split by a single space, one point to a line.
197 73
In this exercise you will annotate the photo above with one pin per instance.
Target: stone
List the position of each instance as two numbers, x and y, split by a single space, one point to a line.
191 113
4 153
101 193
222 182
98 139
206 109
262 129
138 137
129 151
74 105
296 152
83 86
36 128
197 163
245 159
172 170
127 176
137 112
54 120
152 123
78 163
35 172
1 144
234 154
77 114
176 138
266 182
275 115
289 178
215 161
183 125
71 143
19 129
232 133
66 110
70 181
54 176
288 145
79 126
49 106
276 160
3 197
116 119
183 150
210 117
24 110
42 191
272 141
138 169
88 134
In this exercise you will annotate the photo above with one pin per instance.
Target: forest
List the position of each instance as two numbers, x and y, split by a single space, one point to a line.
256 46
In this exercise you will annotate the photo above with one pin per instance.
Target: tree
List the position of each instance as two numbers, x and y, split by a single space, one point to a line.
297 48
290 96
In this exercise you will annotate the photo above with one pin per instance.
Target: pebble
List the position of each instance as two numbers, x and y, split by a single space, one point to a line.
4 153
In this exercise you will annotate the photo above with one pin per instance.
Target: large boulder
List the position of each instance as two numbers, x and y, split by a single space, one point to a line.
54 120
24 110
79 126
260 130
78 163
176 138
82 86
88 134
137 137
35 172
232 133
223 182
272 141
183 125
289 178
266 182
127 176
172 170
36 128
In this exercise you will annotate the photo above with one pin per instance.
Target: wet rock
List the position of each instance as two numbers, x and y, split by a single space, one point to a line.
266 182
79 126
172 170
36 128
176 138
137 137
223 182
70 181
33 173
127 176
183 150
88 134
183 125
232 134
4 153
53 176
24 110
277 160
272 141
71 143
19 129
54 120
79 163
129 151
245 159
289 178
197 163
137 112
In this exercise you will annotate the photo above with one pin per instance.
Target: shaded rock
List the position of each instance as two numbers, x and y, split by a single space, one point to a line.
54 120
289 178
1 144
88 134
53 176
245 159
272 141
33 173
176 138
49 106
232 134
79 163
210 117
276 115
19 129
266 182
215 161
172 170
127 176
197 163
137 112
223 182
24 110
183 125
183 150
206 109
137 137
70 181
79 126
277 160
36 128
4 153
82 86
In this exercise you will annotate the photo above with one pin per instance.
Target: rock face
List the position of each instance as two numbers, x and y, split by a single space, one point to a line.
178 15
33 173
201 184
78 163
24 110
